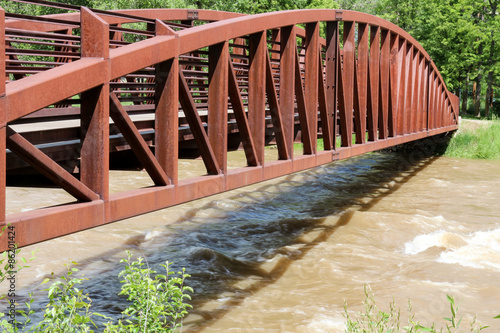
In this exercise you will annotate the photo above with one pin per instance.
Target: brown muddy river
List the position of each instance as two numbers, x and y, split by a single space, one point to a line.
284 255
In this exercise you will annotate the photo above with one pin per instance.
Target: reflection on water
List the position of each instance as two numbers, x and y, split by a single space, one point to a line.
283 256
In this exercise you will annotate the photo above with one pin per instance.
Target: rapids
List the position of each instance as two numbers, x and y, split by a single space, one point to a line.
285 255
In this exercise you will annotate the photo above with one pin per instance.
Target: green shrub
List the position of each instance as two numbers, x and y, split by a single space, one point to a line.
157 303
373 320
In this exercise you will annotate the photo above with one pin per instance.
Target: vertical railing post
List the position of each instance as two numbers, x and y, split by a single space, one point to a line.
362 83
395 74
374 73
409 89
418 95
2 119
257 93
435 97
384 102
331 63
346 112
167 111
425 93
440 108
402 66
430 107
217 102
287 85
311 80
94 113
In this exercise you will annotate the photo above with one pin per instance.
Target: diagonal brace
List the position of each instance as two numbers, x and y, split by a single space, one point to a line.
274 110
47 167
136 141
301 108
196 126
240 116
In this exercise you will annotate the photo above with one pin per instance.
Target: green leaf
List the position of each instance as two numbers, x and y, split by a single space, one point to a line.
80 305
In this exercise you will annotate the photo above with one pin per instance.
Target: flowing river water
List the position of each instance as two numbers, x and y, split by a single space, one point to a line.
285 255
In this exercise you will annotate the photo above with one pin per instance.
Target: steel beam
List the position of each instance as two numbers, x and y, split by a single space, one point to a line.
374 84
332 65
257 92
312 59
241 118
275 111
196 126
347 107
167 117
384 95
302 110
217 102
136 142
361 88
395 88
94 112
46 166
288 53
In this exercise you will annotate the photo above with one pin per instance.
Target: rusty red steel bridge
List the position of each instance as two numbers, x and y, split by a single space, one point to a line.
199 75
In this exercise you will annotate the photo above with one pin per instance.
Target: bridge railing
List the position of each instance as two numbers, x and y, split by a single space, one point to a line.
357 81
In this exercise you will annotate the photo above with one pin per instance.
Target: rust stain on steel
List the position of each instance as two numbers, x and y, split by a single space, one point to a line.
386 88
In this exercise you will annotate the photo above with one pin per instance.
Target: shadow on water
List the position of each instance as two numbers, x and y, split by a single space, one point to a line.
229 240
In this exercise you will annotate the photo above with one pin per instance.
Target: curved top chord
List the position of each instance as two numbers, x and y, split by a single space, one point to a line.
160 48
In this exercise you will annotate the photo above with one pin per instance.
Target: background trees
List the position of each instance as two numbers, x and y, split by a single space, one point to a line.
461 36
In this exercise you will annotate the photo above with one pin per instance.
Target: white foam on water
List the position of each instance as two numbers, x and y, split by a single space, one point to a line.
480 249
439 238
324 323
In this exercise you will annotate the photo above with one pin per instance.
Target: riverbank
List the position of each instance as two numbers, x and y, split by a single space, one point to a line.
475 139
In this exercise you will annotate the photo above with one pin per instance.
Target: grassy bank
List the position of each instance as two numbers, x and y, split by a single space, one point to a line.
476 140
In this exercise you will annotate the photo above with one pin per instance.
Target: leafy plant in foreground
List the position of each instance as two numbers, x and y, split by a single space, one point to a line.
373 320
157 303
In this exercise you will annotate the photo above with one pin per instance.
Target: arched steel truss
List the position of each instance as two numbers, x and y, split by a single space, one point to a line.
366 81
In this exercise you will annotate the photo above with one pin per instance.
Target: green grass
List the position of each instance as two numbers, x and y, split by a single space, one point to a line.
482 142
373 320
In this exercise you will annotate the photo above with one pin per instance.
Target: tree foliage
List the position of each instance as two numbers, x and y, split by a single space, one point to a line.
461 36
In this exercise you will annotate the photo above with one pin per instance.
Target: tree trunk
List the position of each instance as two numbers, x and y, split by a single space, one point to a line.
489 80
465 94
489 95
477 95
477 101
